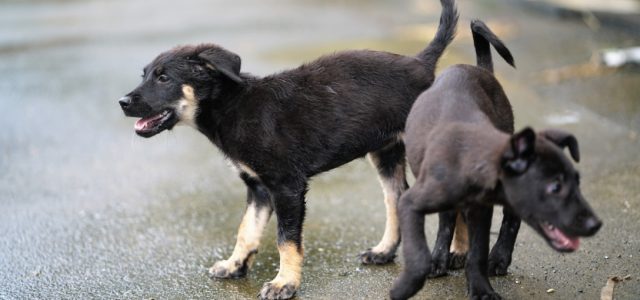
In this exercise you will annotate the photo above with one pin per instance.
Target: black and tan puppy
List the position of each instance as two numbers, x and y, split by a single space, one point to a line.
282 129
462 160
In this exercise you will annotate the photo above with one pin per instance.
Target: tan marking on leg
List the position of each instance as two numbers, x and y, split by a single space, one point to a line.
187 107
290 272
241 167
244 168
251 229
400 137
391 235
249 234
460 244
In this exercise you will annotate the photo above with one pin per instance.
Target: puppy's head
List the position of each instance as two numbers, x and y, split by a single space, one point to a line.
542 187
175 82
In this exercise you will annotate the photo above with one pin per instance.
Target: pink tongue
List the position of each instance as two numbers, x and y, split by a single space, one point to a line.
563 241
142 123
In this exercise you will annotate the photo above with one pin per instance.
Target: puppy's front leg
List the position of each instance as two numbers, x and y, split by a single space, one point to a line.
479 220
500 256
290 209
255 218
414 247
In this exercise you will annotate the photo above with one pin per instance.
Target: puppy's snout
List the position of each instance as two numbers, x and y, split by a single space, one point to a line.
128 100
125 102
592 225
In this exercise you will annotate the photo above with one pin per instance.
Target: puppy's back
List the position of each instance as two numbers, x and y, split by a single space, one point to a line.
461 94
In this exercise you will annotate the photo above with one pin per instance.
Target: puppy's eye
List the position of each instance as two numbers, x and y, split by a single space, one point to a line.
163 78
554 188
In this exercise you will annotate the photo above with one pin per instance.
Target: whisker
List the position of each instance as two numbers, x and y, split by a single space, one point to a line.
166 140
133 138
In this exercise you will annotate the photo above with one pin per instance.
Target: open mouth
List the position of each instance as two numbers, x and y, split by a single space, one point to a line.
560 240
154 124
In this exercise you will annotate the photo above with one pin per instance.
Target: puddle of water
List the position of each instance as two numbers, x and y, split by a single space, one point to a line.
567 118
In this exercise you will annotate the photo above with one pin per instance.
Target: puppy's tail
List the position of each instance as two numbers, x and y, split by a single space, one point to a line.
445 34
482 36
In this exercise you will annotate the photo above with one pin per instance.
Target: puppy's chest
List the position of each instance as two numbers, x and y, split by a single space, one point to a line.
477 195
478 184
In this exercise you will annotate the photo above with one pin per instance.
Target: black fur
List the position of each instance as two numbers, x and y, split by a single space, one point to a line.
502 252
463 159
482 37
291 125
441 260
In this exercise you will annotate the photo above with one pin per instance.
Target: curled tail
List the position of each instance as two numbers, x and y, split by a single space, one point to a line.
445 34
482 36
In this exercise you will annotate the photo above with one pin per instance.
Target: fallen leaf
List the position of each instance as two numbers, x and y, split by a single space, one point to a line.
607 290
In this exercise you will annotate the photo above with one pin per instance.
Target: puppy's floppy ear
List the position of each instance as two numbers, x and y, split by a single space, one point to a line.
196 66
223 61
563 139
520 152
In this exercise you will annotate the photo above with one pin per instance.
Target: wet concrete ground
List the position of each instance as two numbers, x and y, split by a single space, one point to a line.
89 210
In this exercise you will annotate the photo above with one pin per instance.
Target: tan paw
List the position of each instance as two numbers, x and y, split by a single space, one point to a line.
278 290
228 269
371 257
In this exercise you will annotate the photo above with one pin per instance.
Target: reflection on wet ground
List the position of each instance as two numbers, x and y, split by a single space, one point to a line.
92 211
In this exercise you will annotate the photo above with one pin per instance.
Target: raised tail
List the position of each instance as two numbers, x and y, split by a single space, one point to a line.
445 34
482 37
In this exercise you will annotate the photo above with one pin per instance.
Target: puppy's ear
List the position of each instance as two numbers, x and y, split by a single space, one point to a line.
520 152
563 139
223 61
196 67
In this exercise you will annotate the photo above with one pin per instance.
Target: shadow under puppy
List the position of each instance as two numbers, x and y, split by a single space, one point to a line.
280 130
461 160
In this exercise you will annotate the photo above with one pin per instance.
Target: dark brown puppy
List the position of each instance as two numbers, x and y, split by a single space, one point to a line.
446 255
461 160
282 129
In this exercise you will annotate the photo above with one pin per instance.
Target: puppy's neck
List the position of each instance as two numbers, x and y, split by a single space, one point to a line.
218 112
497 148
485 165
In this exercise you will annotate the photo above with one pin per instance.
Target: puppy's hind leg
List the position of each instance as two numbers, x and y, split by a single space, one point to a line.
390 164
440 256
255 218
460 245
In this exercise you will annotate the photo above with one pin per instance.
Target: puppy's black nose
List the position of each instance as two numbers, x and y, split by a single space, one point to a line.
124 101
592 225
